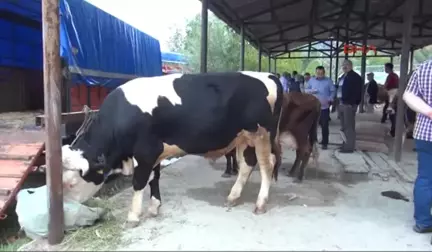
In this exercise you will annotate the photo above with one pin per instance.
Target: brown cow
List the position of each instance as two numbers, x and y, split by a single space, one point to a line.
298 129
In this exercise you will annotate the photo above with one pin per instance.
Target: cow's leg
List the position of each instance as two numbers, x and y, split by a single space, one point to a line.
246 160
234 169
155 197
228 169
296 164
140 178
266 161
304 154
146 156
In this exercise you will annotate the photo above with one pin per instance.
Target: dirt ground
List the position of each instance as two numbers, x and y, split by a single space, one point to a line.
333 211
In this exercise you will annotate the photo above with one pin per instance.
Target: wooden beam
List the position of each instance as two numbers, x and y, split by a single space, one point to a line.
406 42
52 107
363 59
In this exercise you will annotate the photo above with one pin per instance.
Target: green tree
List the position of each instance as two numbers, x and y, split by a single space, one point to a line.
224 51
223 48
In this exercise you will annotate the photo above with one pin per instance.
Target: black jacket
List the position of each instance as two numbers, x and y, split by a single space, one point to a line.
352 88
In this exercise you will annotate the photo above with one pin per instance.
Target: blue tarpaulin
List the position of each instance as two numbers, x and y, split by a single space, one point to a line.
99 48
171 57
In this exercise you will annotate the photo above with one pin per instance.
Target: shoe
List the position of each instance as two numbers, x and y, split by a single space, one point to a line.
324 147
420 230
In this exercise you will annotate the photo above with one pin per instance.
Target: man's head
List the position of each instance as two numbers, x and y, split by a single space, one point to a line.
285 74
370 76
388 67
307 76
347 66
278 75
294 74
319 72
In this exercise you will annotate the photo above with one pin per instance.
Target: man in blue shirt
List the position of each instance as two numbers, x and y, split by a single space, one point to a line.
322 88
285 81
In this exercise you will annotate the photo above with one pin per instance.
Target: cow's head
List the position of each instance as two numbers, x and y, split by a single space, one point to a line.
81 179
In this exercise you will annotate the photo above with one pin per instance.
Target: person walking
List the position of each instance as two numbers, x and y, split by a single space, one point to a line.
372 91
391 85
322 87
349 93
418 97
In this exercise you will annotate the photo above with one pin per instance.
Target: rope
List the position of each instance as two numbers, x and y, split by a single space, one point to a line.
88 119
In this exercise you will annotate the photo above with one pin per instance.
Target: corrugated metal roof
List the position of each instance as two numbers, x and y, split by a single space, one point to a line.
281 25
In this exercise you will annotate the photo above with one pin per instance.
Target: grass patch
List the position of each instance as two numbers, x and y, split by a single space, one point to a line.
105 235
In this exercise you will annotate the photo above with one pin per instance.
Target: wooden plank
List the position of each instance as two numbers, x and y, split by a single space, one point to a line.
7 185
20 151
12 168
71 117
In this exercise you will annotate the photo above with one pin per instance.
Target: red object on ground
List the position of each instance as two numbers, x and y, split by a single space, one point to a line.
17 160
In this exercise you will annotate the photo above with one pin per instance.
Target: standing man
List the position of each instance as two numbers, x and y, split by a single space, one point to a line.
391 85
284 81
349 93
322 87
307 77
418 96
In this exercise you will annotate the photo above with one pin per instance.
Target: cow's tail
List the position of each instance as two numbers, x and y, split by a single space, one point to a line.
274 134
313 137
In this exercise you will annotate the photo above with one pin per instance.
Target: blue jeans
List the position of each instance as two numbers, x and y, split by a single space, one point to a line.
423 185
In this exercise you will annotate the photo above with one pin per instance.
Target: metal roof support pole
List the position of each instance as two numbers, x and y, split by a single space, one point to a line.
204 34
364 52
331 59
52 106
242 47
411 67
346 39
259 58
337 56
391 59
269 63
275 65
406 44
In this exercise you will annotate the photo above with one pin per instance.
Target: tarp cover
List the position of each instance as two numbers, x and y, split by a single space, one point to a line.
99 48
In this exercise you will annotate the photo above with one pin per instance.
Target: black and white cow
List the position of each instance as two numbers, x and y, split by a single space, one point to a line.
151 119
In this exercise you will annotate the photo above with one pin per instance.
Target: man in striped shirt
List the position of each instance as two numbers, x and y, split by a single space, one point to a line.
418 96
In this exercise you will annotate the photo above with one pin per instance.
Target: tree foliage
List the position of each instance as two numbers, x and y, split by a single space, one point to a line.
224 50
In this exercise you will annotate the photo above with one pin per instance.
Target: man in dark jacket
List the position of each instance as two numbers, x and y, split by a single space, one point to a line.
372 89
349 93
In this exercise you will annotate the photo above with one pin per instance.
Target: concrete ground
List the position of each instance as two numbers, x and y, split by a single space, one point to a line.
334 210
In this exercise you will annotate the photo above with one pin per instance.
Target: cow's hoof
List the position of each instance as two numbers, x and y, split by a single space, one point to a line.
289 174
131 224
230 203
297 180
226 175
260 210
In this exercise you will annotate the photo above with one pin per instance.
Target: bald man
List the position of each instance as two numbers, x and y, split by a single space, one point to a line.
349 93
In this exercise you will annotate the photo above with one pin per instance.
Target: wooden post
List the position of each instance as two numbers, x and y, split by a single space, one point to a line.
204 34
411 64
52 106
406 44
242 48
259 58
337 57
364 52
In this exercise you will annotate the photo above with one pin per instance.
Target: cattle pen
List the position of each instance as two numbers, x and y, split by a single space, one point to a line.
76 60
333 23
